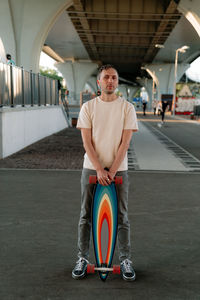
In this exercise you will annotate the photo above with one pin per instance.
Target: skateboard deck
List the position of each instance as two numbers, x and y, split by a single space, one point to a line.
104 227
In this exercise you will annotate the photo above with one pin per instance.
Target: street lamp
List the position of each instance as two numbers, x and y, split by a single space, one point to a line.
182 50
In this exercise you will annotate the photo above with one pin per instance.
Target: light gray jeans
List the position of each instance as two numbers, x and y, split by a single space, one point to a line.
84 226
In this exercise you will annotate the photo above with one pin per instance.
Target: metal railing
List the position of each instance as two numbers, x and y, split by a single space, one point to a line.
19 87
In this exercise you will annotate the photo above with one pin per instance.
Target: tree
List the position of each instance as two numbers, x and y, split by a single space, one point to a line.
51 73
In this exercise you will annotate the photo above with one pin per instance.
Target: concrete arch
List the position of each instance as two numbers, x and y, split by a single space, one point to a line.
191 10
44 30
8 41
76 75
31 22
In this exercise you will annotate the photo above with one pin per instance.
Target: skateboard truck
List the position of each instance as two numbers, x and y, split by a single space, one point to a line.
93 179
91 269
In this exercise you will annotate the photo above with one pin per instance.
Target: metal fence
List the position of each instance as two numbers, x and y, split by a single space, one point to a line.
19 87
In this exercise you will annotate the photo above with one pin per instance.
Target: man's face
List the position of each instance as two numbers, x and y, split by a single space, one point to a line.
108 81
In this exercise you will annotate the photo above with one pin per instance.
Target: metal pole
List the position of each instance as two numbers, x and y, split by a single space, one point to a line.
50 91
38 89
175 79
23 98
56 92
31 84
11 87
45 91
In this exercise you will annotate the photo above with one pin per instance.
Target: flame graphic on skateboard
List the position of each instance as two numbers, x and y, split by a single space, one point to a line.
104 225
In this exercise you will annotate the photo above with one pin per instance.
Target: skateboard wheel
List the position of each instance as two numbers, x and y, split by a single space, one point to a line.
90 268
118 180
92 179
116 269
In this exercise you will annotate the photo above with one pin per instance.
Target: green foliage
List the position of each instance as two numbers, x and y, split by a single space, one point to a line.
137 94
51 73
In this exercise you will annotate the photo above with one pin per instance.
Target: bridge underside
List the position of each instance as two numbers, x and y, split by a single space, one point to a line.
123 33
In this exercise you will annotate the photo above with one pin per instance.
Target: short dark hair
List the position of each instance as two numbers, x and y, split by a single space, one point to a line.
105 67
8 56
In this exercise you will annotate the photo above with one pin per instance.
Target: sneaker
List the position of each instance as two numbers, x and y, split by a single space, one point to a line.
128 272
80 269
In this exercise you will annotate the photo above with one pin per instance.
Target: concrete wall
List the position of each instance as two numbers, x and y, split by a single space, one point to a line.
20 127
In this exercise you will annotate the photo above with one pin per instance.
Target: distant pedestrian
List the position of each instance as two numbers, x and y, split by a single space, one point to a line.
164 106
154 106
144 97
158 109
10 61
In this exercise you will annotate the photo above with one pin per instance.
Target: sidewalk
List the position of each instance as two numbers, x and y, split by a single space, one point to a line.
39 212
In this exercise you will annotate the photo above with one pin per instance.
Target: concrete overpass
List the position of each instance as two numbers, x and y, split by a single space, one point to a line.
85 33
81 35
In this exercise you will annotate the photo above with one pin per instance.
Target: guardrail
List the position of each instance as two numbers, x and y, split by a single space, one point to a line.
19 87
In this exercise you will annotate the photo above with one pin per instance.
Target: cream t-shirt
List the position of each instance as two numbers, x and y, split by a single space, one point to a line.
107 121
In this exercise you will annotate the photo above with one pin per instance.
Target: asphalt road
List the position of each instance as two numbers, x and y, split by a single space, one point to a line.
39 213
182 132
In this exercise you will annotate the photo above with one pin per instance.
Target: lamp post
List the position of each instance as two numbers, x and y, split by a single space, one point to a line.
182 50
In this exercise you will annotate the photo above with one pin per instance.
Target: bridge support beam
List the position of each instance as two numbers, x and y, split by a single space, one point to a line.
132 91
92 81
123 89
163 75
76 74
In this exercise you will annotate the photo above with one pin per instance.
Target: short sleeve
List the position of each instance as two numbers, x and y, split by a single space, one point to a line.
84 119
130 121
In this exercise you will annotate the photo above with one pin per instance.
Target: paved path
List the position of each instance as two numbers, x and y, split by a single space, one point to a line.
174 146
152 154
39 212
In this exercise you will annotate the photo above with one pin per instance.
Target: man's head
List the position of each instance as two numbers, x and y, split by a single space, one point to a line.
107 79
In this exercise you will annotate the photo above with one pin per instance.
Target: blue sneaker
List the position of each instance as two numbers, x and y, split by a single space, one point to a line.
80 269
127 270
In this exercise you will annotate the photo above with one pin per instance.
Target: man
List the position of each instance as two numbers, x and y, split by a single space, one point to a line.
165 104
144 97
154 106
106 124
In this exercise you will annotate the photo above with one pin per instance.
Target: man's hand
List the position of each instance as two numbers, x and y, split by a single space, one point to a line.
103 177
111 175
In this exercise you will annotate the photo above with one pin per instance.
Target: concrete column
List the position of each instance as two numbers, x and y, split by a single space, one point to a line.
24 26
92 81
76 75
133 90
123 89
191 10
164 76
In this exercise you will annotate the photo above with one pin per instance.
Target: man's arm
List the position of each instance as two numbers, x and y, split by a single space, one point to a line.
125 142
102 175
